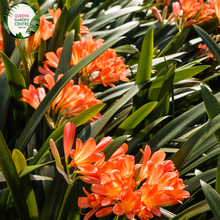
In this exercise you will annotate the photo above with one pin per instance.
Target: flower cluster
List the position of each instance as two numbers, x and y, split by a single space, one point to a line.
119 185
105 69
46 30
193 12
72 100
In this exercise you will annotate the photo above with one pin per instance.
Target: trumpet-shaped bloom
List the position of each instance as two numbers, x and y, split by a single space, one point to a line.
86 154
33 96
71 101
161 185
130 203
105 69
46 30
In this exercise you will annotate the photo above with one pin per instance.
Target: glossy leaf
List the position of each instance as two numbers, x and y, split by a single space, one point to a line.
105 19
213 47
213 198
119 31
16 83
145 61
178 125
212 106
135 118
4 90
74 11
59 33
126 49
64 62
192 211
94 128
11 176
187 149
35 4
176 42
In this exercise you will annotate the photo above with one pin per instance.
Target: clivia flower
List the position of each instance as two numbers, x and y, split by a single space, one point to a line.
71 101
106 69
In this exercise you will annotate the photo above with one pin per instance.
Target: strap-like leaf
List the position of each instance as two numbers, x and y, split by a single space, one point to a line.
213 199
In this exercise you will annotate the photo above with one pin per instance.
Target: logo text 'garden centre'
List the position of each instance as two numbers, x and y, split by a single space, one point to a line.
21 20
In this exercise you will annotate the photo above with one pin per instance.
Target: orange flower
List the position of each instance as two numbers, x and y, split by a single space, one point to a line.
45 31
93 201
74 99
85 155
105 69
83 29
56 14
162 186
216 6
130 203
33 96
204 49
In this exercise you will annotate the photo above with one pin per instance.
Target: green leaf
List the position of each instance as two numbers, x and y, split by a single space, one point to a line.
174 45
58 133
105 19
29 169
74 11
180 74
119 31
178 125
59 33
140 136
217 184
192 211
203 159
19 160
64 62
54 198
187 149
11 176
16 83
212 197
4 90
135 118
41 51
145 61
114 92
193 183
94 128
212 106
35 4
163 97
211 44
52 94
126 49
47 4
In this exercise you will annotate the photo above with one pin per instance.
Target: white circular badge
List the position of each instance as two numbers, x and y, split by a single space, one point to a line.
21 20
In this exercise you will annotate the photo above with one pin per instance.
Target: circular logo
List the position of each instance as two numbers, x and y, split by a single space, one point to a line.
21 20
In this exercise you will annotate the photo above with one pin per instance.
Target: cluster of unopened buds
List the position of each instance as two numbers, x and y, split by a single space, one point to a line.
188 12
119 185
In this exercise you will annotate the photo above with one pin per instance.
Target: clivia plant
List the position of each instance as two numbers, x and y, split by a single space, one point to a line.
111 110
